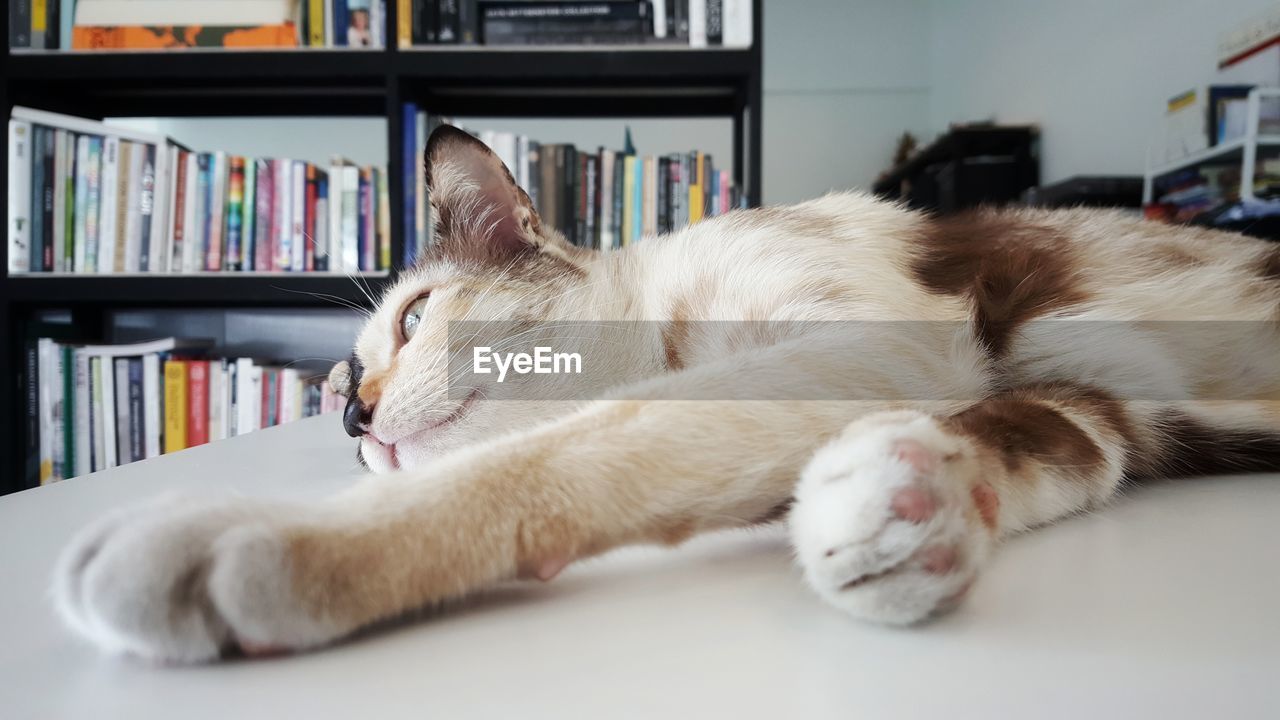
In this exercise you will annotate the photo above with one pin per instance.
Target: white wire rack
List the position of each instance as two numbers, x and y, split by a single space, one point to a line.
1247 146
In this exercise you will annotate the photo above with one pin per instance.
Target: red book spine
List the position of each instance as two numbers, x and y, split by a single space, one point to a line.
309 221
264 419
197 402
179 212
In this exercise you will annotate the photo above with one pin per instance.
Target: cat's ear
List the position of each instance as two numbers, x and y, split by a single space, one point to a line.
479 211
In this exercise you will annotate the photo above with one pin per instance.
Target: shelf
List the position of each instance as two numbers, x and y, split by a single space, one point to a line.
958 142
1227 152
212 289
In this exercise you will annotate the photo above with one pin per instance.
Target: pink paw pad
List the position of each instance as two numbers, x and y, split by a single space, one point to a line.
914 453
913 504
938 559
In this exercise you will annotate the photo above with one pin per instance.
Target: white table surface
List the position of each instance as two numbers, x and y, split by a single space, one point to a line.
1165 605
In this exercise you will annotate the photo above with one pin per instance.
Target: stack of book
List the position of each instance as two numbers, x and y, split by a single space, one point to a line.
692 23
92 407
133 25
87 197
602 199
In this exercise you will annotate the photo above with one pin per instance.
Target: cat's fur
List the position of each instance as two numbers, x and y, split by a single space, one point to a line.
972 428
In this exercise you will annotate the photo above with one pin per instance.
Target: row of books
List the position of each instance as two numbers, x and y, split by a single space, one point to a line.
92 407
129 24
695 23
602 199
87 197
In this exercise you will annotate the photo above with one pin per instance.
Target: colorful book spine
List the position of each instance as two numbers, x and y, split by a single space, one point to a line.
235 214
249 214
263 224
149 237
148 37
175 405
197 402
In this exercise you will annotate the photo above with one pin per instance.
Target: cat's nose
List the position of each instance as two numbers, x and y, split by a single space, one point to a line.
357 417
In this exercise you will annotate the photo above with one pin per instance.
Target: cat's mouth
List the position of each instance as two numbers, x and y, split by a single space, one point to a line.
429 430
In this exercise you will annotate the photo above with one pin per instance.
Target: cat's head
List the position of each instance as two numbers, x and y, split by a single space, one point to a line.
493 260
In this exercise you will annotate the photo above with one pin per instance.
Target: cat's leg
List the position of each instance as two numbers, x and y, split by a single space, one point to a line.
895 518
184 583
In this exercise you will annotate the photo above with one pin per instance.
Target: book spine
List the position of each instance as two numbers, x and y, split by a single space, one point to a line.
309 222
95 441
363 241
249 211
590 205
697 23
123 245
198 236
31 413
282 254
20 23
153 37
628 199
404 23
197 402
107 415
47 382
108 205
81 443
235 213
214 414
175 405
179 229
298 217
315 23
663 188
350 219
715 22
35 248
264 199
568 210
469 22
19 194
382 196
147 209
137 413
619 171
60 172
215 212
93 202
153 411
124 421
409 162
323 244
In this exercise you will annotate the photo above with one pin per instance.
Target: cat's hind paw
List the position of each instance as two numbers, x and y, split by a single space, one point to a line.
891 520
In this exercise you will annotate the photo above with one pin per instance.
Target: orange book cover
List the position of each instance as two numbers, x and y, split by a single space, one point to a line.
137 37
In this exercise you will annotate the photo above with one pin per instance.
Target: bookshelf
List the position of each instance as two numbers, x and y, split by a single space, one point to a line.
519 82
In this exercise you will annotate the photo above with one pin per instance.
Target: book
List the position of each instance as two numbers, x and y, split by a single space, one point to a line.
35 249
137 409
197 402
19 194
109 185
234 221
360 24
31 415
152 384
62 164
48 202
215 216
126 244
564 23
283 217
249 214
137 24
263 223
175 405
296 259
123 436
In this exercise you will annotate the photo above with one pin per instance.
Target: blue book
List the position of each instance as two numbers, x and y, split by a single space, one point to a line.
637 227
137 413
340 22
409 131
362 226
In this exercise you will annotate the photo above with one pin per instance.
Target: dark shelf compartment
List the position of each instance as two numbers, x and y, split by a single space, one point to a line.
227 290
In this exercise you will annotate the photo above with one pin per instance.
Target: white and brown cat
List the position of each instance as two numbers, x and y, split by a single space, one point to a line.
899 459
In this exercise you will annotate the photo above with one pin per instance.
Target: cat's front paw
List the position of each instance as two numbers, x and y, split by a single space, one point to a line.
185 580
891 520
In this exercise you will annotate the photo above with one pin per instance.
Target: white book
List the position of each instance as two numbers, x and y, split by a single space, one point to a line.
106 417
738 24
697 23
82 435
217 408
19 196
660 18
322 228
133 220
335 214
350 219
249 214
58 406
60 173
82 205
123 454
152 397
164 261
217 211
164 13
157 251
298 242
289 385
47 371
107 205
283 259
192 234
248 396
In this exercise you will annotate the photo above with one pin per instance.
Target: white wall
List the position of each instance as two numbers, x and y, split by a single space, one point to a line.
1094 74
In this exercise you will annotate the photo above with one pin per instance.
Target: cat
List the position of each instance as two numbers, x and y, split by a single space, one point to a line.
905 390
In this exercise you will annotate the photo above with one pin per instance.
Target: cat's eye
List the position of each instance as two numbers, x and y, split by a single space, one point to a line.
412 318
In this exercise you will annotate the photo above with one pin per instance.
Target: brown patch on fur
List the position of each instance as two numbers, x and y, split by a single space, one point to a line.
675 333
1191 447
1173 256
370 389
1021 429
1011 269
1271 266
777 512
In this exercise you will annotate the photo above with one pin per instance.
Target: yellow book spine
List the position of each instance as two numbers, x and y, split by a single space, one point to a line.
628 198
697 203
175 405
39 15
404 23
316 25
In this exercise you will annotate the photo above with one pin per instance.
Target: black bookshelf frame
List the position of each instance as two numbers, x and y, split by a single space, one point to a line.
594 81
